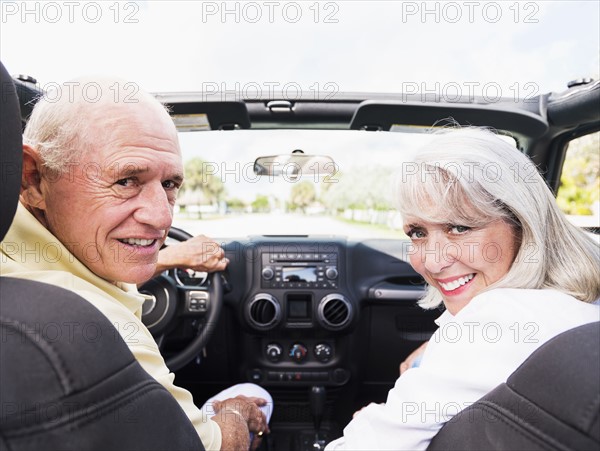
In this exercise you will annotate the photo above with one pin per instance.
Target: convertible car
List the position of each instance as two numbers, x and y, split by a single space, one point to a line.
318 303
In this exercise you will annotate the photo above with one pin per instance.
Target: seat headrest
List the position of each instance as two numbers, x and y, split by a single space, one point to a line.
11 149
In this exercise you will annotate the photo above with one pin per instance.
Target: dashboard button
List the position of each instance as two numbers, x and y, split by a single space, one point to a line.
321 376
255 375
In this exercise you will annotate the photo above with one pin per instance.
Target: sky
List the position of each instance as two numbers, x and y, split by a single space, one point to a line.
316 48
472 47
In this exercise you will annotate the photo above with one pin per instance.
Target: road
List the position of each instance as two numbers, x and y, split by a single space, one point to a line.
280 224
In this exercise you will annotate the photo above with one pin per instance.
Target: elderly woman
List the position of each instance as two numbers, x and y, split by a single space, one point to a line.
511 271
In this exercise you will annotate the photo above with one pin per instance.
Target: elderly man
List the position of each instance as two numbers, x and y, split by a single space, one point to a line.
101 171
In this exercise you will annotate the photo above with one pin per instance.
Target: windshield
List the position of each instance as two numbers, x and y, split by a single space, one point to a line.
354 200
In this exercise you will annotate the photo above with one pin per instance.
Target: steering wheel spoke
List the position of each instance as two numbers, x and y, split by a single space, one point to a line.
167 303
196 301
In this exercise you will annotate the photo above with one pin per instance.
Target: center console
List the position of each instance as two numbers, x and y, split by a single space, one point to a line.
298 315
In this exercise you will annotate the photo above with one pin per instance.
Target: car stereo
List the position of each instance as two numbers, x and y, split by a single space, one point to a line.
301 270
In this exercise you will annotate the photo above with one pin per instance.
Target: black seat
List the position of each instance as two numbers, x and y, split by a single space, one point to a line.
67 379
552 401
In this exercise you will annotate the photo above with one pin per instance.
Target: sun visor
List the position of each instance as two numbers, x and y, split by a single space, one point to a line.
197 116
398 115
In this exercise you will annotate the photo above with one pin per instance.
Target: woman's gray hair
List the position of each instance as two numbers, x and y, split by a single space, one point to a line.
65 120
471 177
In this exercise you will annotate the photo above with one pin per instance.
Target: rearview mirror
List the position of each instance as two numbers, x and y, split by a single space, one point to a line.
295 165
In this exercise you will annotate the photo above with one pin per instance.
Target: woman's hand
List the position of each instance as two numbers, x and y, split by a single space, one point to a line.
362 408
414 356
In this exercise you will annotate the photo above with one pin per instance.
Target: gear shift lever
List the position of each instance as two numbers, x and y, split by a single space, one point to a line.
317 407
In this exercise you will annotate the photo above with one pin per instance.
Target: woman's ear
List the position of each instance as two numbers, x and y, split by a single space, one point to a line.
31 180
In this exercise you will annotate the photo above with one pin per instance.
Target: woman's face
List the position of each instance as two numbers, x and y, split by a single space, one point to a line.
458 260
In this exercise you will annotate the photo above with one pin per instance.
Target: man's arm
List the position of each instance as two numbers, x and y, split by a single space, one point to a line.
199 253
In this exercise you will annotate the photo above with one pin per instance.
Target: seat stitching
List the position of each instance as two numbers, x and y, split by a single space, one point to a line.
590 412
47 349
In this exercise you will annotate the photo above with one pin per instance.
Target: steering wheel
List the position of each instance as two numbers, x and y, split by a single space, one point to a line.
167 302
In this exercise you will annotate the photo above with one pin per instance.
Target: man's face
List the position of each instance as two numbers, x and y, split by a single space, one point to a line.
113 209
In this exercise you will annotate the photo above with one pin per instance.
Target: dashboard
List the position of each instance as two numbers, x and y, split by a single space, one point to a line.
295 306
297 312
298 305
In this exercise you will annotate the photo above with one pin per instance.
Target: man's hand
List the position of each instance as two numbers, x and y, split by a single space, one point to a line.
199 253
410 360
237 417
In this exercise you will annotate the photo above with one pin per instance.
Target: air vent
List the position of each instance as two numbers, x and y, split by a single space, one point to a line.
264 311
335 311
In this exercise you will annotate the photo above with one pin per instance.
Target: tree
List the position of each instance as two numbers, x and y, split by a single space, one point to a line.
580 179
235 204
198 177
359 189
302 195
261 204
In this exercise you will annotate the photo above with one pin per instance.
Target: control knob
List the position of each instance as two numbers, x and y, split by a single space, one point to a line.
323 352
267 273
331 272
274 352
298 352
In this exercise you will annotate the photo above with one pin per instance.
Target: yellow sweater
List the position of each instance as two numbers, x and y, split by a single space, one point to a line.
30 251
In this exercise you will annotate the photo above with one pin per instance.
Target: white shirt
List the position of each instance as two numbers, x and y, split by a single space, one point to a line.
471 353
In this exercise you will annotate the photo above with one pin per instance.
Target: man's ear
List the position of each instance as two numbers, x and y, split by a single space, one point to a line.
31 180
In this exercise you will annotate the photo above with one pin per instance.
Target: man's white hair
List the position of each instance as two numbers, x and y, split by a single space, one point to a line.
62 124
